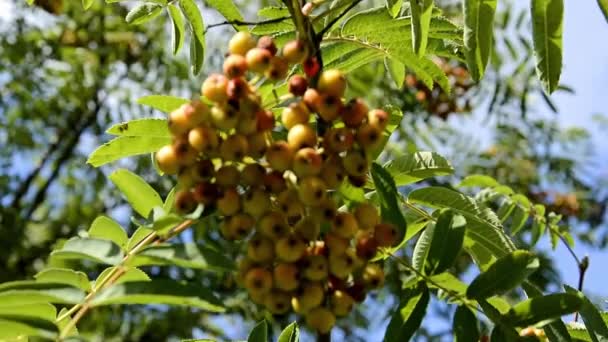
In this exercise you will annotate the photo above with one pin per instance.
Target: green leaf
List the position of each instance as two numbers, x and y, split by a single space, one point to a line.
32 292
446 242
547 21
604 7
394 7
126 146
478 34
96 250
259 333
396 70
351 192
139 234
159 291
140 195
389 198
14 327
189 255
407 319
465 325
481 181
44 311
105 228
164 103
414 167
130 274
556 330
457 292
539 310
596 326
142 13
178 27
422 248
228 9
197 30
64 276
86 4
503 275
421 20
290 334
142 127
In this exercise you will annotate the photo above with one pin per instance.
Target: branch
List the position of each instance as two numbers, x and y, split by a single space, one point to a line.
247 23
336 19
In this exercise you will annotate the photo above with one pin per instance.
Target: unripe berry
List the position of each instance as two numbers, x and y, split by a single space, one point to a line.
369 136
265 120
215 88
257 145
167 160
308 228
332 82
235 66
185 154
386 234
341 303
309 296
312 99
367 246
295 51
234 147
341 265
184 202
296 113
273 225
336 244
240 43
258 60
367 215
253 175
258 280
338 139
260 249
227 176
307 162
324 211
256 202
278 68
187 116
286 276
311 190
240 225
229 203
225 118
378 117
373 276
333 172
355 163
278 302
354 112
279 156
202 170
297 85
321 320
290 248
329 107
206 193
316 268
203 139
344 225
300 136
274 182
311 66
266 42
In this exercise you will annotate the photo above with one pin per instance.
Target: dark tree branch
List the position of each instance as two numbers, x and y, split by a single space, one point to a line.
336 19
247 23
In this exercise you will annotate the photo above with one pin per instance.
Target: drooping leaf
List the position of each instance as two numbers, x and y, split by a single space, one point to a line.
422 248
259 333
104 227
478 34
291 333
465 325
96 250
164 103
351 192
555 330
197 30
43 311
159 291
547 22
596 326
407 319
178 27
396 70
421 20
125 146
503 275
228 9
27 292
543 309
64 276
188 255
12 328
143 12
140 195
413 167
446 243
389 198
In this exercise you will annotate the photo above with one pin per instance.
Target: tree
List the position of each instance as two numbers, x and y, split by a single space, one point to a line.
341 37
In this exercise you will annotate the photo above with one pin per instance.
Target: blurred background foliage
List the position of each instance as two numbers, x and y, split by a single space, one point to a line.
66 75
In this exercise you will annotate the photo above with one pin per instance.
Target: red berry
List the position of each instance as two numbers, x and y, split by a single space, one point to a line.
311 66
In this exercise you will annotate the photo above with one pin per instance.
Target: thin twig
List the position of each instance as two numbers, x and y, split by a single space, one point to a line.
336 19
247 23
417 210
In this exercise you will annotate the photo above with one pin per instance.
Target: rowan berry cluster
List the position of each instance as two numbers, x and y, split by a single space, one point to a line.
278 196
